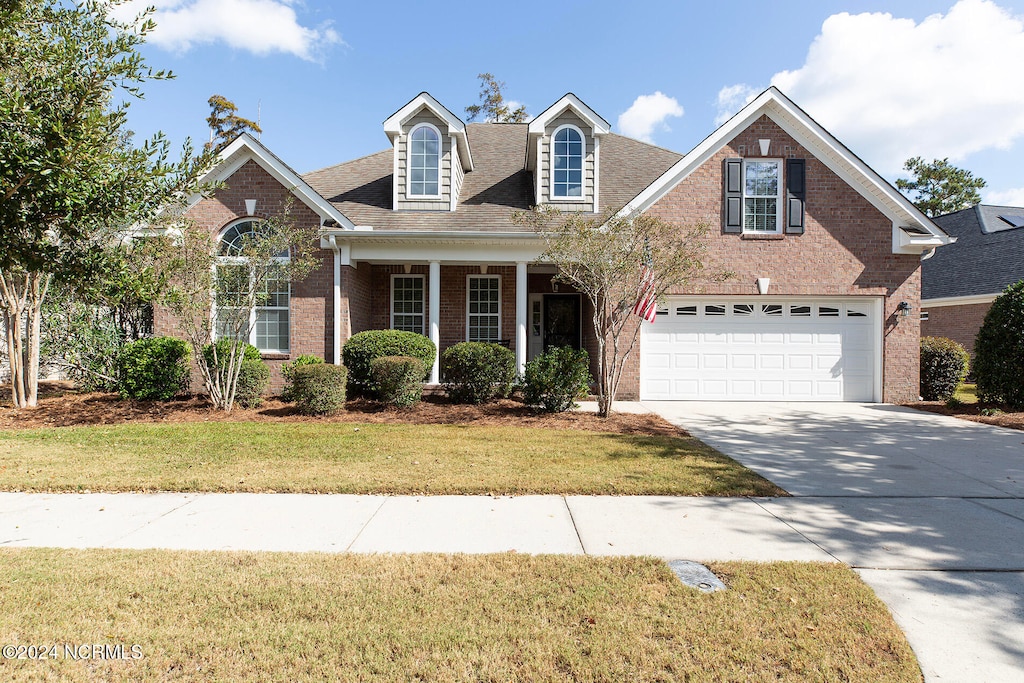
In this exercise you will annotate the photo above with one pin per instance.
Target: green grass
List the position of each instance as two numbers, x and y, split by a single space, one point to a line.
286 617
366 458
966 393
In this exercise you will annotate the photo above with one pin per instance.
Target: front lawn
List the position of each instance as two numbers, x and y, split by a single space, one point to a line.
286 617
366 458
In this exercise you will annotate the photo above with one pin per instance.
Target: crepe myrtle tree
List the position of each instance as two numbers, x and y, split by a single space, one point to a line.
602 257
217 286
71 180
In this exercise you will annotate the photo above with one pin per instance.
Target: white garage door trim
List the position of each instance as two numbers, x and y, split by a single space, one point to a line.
763 348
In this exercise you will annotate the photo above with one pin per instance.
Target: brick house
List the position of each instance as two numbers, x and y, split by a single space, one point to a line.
960 283
419 236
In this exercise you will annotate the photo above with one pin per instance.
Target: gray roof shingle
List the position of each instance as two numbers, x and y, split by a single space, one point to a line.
361 189
987 256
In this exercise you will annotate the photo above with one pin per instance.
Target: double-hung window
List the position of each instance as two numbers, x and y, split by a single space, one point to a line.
267 320
762 195
483 308
424 162
567 164
407 303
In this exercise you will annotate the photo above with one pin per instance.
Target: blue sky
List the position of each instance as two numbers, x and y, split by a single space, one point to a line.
935 79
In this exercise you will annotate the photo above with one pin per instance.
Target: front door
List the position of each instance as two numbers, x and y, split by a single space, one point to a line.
562 320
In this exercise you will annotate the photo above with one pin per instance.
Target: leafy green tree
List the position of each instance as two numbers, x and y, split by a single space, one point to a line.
492 105
999 350
602 257
241 277
939 187
71 181
225 124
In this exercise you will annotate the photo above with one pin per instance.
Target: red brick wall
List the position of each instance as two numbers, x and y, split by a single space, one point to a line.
959 323
311 319
845 250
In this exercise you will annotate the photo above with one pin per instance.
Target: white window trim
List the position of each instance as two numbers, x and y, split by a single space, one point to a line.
778 197
408 163
583 167
423 306
238 260
483 277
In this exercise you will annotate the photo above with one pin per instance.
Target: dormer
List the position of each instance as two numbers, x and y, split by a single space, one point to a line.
564 153
432 155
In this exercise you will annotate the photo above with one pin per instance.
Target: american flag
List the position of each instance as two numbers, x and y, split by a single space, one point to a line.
646 301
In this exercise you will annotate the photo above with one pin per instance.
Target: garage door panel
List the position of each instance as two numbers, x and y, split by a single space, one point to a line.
793 350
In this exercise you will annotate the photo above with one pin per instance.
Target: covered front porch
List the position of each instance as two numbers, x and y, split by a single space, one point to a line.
487 288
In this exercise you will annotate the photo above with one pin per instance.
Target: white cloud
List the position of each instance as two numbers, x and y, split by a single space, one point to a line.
647 113
731 99
891 88
258 26
1011 197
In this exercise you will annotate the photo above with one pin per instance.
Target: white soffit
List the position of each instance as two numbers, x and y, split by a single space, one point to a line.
817 140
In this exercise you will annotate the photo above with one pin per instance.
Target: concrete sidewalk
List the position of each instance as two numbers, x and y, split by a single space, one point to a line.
701 529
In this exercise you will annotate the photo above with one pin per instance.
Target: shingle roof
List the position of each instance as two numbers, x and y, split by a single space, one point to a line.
987 256
361 189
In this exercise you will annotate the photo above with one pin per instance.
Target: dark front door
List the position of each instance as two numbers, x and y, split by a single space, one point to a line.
561 320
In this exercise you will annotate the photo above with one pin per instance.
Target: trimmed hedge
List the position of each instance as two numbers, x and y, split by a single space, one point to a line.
153 369
944 365
477 372
253 378
361 349
288 372
999 350
555 379
319 389
399 379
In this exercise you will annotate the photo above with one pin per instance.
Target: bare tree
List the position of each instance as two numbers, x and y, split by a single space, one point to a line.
615 260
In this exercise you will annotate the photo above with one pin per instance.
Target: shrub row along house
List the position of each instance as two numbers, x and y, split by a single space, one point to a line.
825 253
961 282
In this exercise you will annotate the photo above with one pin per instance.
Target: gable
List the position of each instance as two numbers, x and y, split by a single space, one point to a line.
911 230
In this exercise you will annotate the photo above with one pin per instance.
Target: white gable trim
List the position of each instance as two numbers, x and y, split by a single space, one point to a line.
819 142
569 101
245 148
394 123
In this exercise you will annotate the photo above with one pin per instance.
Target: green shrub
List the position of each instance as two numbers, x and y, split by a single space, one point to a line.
288 372
319 389
363 348
556 378
398 379
943 367
477 372
253 378
999 350
153 369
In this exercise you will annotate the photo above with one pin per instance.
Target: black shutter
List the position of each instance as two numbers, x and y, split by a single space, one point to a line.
796 186
733 173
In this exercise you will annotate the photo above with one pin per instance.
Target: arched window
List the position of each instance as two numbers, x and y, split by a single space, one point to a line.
266 321
424 162
567 163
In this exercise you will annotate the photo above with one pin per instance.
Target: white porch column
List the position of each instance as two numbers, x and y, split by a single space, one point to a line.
337 306
434 318
521 316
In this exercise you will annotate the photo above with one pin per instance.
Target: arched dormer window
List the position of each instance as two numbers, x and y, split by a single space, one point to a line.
424 161
567 163
262 317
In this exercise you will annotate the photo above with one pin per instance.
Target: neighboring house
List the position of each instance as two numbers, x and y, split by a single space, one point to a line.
419 237
959 283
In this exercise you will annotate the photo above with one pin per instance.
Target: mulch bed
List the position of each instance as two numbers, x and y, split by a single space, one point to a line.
60 405
972 411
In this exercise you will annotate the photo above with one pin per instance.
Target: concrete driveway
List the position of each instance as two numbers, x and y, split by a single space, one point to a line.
928 509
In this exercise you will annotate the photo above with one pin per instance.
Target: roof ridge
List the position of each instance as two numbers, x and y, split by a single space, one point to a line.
344 163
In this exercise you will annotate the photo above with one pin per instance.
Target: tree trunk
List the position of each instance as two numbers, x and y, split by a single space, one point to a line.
21 298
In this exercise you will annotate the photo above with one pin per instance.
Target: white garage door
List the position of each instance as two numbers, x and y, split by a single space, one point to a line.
760 350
